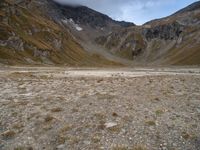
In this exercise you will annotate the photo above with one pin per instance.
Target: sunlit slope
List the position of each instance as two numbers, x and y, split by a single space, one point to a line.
27 37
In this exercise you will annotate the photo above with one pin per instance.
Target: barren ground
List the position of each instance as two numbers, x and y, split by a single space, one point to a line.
109 109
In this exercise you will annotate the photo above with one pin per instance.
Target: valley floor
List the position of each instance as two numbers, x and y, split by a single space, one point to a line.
111 109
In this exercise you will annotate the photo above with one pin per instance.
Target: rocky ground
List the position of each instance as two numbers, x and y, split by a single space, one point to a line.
109 109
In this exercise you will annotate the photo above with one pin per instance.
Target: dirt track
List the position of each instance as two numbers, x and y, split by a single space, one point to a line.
67 108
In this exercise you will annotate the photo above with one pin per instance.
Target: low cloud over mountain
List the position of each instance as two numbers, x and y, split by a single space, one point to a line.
137 11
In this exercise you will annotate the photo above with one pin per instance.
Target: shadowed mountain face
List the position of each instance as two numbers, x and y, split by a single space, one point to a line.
86 16
45 32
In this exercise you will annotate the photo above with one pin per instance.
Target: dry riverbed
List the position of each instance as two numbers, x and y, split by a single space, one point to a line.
108 109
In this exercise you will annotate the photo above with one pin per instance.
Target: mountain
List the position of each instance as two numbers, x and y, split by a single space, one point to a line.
172 40
192 7
38 32
85 25
29 36
88 17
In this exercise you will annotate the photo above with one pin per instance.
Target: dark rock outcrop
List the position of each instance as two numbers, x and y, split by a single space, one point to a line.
166 31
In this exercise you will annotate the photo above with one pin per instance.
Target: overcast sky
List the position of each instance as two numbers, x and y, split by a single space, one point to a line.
137 11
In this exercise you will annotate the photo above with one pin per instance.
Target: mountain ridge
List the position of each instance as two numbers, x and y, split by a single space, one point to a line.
33 39
61 34
164 41
84 15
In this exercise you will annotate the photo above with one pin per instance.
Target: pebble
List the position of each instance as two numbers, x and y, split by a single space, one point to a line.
110 124
60 146
198 109
87 142
16 101
164 144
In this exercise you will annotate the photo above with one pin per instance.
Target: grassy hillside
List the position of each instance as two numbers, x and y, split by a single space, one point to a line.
27 37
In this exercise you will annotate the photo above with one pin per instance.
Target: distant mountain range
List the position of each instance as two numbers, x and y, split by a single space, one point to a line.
39 32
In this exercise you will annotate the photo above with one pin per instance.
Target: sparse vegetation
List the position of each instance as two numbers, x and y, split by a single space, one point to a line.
57 109
120 147
159 112
105 96
116 112
115 129
8 134
150 123
96 139
66 128
185 135
23 148
139 147
124 147
48 118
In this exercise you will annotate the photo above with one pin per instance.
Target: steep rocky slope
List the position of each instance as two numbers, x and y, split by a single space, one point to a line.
29 36
170 40
85 25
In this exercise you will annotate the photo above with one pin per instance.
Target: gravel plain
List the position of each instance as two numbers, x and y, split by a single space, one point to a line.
92 109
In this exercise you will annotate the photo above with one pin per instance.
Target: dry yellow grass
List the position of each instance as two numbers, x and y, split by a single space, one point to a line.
70 53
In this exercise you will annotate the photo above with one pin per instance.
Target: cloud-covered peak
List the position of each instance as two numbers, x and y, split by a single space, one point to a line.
137 11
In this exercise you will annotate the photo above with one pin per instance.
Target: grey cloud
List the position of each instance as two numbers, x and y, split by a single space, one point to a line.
137 11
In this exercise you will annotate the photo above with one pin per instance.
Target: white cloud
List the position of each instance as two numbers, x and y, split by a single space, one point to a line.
137 11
